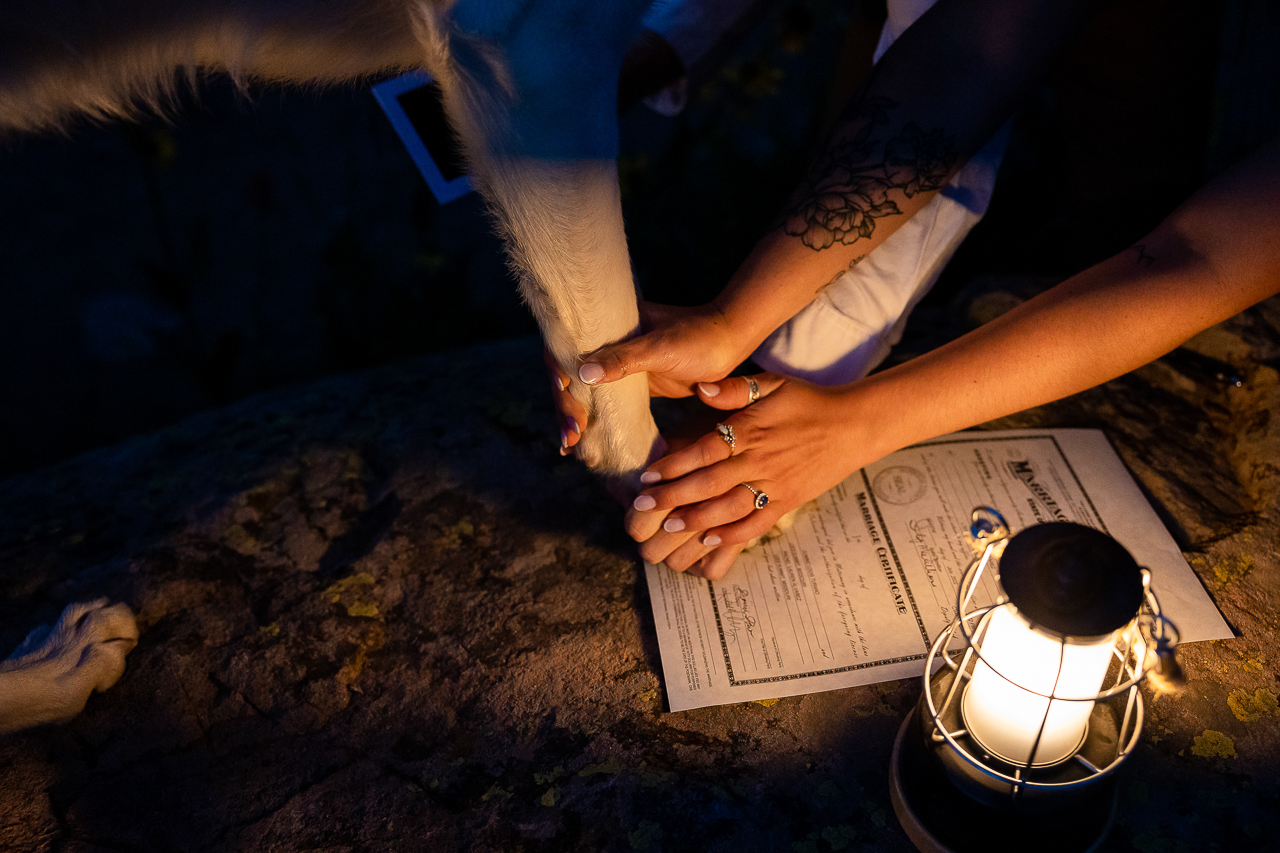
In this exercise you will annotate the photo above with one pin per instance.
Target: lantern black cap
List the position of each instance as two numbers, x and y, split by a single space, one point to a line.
1070 579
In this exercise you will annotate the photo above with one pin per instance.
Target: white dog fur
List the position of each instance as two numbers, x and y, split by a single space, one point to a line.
530 87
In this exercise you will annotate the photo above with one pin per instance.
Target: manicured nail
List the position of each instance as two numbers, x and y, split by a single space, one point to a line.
557 382
564 441
711 540
591 373
644 503
573 425
650 477
709 389
673 525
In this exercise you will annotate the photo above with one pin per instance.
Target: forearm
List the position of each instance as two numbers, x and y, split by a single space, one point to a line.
1088 330
1210 259
933 100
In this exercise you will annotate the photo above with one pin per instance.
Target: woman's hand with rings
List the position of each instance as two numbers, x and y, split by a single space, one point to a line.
679 538
792 445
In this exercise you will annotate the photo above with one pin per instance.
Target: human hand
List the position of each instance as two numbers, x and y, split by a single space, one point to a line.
678 347
795 443
569 412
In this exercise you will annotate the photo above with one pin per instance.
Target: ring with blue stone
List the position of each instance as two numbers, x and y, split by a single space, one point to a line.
762 500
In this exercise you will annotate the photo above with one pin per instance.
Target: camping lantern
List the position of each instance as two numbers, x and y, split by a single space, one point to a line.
1034 702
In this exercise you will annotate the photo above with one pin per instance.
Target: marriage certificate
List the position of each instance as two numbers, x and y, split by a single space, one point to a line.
857 589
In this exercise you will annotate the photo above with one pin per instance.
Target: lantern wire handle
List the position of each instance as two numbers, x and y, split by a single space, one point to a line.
1158 632
986 527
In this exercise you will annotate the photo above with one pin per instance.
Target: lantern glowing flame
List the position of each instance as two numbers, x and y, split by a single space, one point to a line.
1006 708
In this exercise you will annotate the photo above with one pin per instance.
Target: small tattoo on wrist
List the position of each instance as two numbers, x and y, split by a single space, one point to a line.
1143 258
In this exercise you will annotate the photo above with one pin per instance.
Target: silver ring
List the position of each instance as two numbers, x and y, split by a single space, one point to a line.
753 390
726 432
762 500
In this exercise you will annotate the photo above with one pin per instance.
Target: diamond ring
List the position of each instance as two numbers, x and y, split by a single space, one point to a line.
762 500
726 432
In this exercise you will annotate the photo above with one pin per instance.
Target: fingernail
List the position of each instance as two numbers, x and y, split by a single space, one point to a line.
711 540
709 389
573 425
564 441
557 382
591 373
644 503
650 477
564 451
673 525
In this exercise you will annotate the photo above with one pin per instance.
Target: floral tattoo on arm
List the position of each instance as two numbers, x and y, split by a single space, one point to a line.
849 186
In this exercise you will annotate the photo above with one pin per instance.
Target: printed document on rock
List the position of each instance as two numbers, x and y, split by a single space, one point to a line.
857 589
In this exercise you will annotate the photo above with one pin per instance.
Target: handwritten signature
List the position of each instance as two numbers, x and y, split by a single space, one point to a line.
921 530
737 614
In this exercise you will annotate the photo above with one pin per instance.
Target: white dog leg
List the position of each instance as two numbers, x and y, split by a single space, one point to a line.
50 676
531 88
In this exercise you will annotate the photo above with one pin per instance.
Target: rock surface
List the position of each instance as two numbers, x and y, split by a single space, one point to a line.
380 612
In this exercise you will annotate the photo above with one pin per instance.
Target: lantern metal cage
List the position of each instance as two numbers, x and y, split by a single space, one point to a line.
937 754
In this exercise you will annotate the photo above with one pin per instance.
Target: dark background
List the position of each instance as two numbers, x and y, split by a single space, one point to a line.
260 238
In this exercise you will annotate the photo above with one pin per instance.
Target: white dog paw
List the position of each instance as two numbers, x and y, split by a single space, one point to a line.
50 676
781 526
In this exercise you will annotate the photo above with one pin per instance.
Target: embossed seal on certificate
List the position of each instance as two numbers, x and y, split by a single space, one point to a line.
898 484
